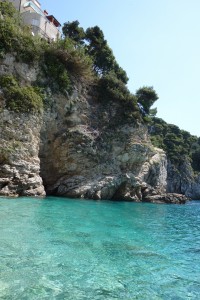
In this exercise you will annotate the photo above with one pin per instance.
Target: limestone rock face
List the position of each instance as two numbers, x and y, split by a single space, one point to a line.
19 161
82 148
19 140
86 152
183 180
26 73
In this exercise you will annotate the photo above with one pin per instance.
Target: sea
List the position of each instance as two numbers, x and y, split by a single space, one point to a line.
73 249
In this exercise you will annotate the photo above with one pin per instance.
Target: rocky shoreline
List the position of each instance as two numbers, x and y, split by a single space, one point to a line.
168 198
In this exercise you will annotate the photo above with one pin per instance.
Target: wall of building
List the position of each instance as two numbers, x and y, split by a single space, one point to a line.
33 15
41 25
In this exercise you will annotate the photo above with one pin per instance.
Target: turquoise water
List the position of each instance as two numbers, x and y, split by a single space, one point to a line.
77 249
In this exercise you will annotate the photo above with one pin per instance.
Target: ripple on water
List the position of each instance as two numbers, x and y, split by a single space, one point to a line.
70 249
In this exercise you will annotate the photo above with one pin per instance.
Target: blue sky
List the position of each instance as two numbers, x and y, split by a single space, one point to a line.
157 42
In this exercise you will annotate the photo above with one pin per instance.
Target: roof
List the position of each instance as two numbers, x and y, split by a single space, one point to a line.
51 18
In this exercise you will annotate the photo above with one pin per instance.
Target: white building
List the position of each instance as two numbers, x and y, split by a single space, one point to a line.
40 22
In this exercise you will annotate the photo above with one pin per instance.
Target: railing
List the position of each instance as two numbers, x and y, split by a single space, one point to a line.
28 18
40 31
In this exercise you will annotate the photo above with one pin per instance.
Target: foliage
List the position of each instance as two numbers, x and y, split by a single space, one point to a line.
8 10
146 96
24 99
62 62
56 74
103 58
99 50
4 154
178 144
58 60
120 73
196 159
7 149
73 31
76 56
75 60
7 81
111 88
16 37
20 99
96 47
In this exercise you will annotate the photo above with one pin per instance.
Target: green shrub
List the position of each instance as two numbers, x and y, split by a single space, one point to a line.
196 160
146 96
16 37
178 144
62 61
111 88
30 49
20 99
23 99
74 58
4 157
7 81
5 154
57 76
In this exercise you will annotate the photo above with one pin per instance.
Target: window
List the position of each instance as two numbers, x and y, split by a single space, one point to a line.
35 22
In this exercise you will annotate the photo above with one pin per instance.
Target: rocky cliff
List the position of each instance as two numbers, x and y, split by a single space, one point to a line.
183 180
81 147
19 141
85 152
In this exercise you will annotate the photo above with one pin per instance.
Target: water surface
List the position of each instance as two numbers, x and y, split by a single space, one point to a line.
57 248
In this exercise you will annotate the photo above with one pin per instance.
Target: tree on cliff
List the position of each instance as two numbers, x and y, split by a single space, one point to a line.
96 47
146 97
179 144
104 60
74 31
99 50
